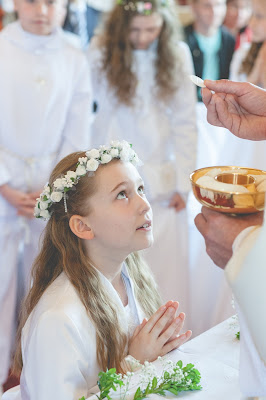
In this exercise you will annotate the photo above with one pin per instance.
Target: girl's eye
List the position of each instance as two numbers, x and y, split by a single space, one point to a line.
121 195
141 189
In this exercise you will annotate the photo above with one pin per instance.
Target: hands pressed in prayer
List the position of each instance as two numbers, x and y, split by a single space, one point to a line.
237 106
220 230
23 202
158 335
177 202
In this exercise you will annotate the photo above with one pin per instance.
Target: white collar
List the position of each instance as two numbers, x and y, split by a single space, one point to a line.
15 34
115 295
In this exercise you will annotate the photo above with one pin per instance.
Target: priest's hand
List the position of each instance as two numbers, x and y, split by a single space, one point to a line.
220 230
237 106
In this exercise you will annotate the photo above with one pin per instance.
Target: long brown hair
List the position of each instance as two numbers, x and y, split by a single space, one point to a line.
249 61
118 57
63 251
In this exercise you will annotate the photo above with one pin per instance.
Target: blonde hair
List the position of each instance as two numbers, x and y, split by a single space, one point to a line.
66 253
118 57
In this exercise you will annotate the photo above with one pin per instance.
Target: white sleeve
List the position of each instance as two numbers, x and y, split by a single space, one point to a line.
76 134
235 66
252 370
184 124
246 273
55 360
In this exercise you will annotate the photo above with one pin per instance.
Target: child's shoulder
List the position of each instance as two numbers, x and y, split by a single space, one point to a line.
58 315
60 301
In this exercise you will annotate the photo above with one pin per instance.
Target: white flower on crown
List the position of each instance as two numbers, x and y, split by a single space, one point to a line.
71 175
45 214
59 184
126 153
117 144
82 160
106 158
54 194
46 191
81 170
114 153
92 165
94 153
56 197
44 205
37 209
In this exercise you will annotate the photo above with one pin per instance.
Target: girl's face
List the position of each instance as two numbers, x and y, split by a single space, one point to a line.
258 21
39 17
120 216
144 29
209 13
238 14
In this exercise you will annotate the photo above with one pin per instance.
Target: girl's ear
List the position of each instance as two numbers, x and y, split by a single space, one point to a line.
80 227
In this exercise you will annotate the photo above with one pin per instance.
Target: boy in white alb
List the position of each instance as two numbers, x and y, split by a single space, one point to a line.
44 107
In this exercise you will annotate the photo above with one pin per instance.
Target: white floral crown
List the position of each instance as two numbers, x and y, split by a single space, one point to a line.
57 191
140 7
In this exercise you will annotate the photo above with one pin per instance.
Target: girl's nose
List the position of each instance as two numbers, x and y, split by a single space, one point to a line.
144 205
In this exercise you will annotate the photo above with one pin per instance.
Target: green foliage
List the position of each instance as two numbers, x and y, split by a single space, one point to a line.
108 380
176 379
179 379
238 335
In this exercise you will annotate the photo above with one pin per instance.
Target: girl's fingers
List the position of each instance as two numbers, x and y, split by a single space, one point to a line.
174 344
138 328
163 322
150 324
173 330
180 323
154 319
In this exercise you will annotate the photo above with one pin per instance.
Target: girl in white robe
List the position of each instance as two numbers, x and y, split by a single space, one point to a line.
44 114
90 289
142 94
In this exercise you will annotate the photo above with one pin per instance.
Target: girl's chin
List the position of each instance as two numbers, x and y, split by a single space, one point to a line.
147 245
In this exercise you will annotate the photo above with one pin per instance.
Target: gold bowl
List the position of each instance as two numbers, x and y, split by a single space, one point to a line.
234 202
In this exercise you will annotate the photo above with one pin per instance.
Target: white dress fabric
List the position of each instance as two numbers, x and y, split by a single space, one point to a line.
45 114
246 274
164 137
59 343
210 294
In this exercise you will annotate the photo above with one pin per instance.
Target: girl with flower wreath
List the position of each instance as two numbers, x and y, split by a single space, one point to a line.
93 301
142 94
